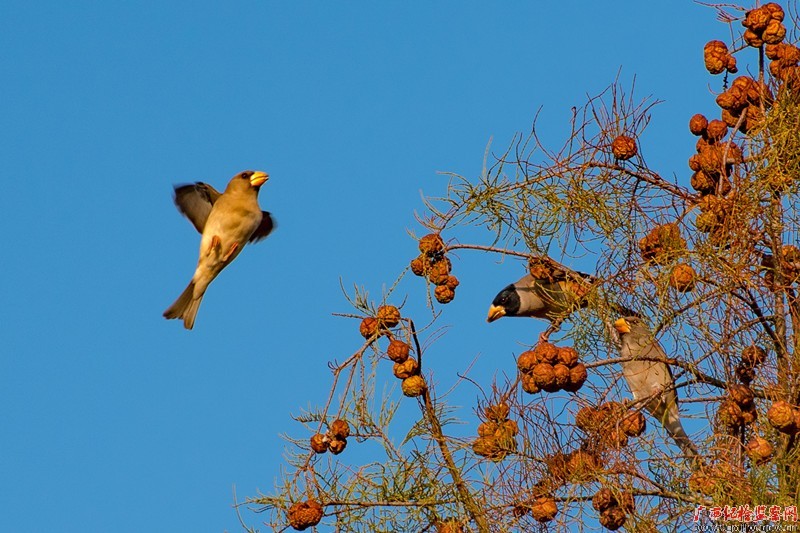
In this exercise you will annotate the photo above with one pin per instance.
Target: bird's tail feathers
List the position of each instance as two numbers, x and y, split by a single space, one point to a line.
185 306
675 429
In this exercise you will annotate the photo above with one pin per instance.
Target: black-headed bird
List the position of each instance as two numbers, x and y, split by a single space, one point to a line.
227 222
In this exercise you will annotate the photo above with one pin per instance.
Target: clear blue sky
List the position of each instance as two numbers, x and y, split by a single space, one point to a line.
114 419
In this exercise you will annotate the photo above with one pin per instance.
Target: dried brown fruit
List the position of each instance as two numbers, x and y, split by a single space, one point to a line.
753 356
703 483
698 124
733 100
439 272
369 327
716 130
745 373
451 283
783 417
567 356
319 443
750 414
444 294
544 509
497 412
730 66
508 428
577 377
774 33
582 465
527 360
421 265
586 418
729 414
752 38
624 147
741 394
662 244
487 447
340 429
702 182
757 19
561 373
431 244
759 450
633 424
398 351
775 11
604 499
529 384
337 446
546 352
715 56
388 316
613 518
413 386
682 278
449 525
544 377
303 515
406 369
487 428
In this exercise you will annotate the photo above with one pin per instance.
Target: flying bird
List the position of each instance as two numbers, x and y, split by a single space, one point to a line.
551 298
648 376
227 222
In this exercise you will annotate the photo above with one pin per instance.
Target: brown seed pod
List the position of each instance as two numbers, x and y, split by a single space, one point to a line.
775 11
497 412
729 414
694 164
741 394
369 327
388 315
508 428
783 417
440 271
431 244
731 118
624 147
703 483
413 386
398 351
702 182
449 525
557 465
561 373
750 414
745 373
577 377
529 384
451 283
757 19
662 243
421 265
752 38
715 56
487 447
544 377
698 124
633 424
682 278
444 294
303 515
774 33
544 509
716 130
319 443
730 66
527 360
337 446
753 356
604 499
487 428
613 518
567 356
582 465
546 352
340 429
734 100
406 369
759 450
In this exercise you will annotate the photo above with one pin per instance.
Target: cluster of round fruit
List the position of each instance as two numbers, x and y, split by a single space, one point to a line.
610 424
759 450
683 277
738 408
613 507
496 436
387 317
764 25
718 59
335 440
406 368
713 163
662 244
741 107
303 515
550 368
434 264
790 265
784 417
752 357
720 479
542 508
784 62
449 525
578 466
714 213
624 147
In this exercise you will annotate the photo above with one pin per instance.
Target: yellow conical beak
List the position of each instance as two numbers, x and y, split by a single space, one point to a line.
258 178
622 326
495 312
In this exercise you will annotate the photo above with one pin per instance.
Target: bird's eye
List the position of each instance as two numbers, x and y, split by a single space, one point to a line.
246 175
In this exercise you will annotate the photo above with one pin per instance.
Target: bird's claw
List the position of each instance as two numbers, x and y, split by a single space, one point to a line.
233 248
214 244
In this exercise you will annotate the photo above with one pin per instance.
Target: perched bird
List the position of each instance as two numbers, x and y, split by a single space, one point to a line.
648 376
551 298
227 222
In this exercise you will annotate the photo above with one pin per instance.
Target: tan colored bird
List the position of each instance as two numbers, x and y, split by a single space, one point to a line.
227 222
648 376
551 300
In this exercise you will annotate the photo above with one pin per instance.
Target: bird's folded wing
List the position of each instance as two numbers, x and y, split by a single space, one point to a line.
263 229
195 201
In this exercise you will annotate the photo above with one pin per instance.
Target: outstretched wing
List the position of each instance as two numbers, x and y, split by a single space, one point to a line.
195 200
